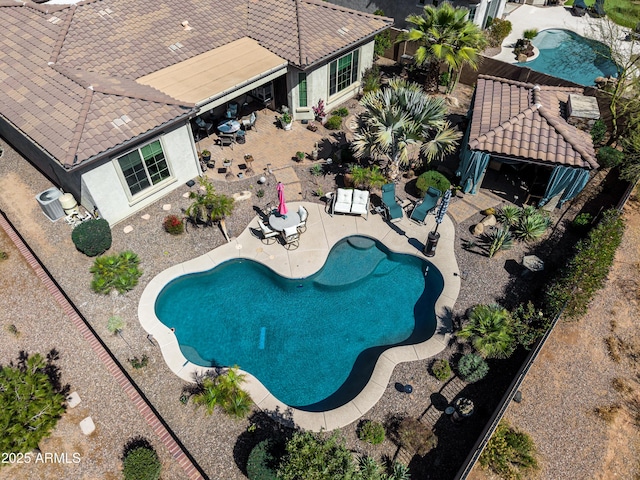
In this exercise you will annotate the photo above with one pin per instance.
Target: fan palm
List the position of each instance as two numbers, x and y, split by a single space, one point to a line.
446 37
401 115
490 329
207 395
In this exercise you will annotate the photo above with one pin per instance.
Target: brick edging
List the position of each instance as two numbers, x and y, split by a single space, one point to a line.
150 415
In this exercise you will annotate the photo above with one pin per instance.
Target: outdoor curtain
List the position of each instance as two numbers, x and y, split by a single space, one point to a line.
471 168
568 179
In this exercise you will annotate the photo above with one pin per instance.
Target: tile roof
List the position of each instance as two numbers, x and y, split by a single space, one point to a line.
68 71
524 120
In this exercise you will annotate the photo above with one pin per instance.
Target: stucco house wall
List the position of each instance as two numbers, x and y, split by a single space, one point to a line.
318 84
104 186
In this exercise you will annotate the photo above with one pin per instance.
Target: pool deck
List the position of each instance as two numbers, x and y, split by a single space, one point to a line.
323 231
526 17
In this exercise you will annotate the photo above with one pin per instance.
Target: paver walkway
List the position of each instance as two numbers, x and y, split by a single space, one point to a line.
291 182
467 206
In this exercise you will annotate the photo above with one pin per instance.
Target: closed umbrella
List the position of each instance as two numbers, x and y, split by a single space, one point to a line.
442 209
282 206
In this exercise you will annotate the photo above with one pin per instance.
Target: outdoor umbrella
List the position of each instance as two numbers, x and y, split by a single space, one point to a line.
442 209
282 206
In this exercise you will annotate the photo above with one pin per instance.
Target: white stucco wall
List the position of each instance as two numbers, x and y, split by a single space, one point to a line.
103 187
318 85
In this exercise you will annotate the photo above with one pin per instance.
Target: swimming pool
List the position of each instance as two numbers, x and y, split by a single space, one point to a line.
565 54
312 342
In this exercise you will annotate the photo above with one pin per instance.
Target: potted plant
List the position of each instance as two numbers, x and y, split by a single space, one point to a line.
319 112
226 162
300 156
206 156
286 120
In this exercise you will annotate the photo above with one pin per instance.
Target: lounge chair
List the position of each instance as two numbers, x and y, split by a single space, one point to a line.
428 203
391 206
348 200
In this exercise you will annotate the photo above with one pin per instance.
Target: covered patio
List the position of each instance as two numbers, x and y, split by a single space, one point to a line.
531 133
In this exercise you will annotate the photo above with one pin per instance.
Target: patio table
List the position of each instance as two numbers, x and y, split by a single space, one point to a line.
230 126
280 222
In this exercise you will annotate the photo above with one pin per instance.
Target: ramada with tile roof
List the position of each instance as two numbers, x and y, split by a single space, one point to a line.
100 95
522 123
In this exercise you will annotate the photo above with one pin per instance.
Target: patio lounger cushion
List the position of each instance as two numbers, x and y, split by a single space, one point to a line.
290 231
393 208
422 209
343 201
360 202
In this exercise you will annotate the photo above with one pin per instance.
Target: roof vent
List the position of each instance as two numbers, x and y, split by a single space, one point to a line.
186 25
54 19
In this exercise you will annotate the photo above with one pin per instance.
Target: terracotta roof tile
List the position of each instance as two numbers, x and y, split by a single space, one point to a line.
519 119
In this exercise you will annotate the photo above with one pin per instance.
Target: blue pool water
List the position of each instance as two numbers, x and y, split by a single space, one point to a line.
565 54
312 342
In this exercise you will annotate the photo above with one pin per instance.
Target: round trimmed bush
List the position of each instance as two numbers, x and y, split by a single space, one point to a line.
142 464
260 461
371 432
432 179
334 123
441 369
472 367
92 237
609 157
173 224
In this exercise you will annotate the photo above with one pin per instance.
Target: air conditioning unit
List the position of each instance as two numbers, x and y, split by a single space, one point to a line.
50 203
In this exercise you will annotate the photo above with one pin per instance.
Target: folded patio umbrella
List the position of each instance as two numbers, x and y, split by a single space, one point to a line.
442 209
282 206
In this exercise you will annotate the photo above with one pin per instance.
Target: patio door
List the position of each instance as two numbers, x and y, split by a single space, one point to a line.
280 92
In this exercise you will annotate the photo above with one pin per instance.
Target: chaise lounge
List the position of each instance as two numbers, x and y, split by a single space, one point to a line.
391 205
428 203
353 201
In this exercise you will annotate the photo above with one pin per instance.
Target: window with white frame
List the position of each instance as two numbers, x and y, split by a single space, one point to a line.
472 12
343 72
144 167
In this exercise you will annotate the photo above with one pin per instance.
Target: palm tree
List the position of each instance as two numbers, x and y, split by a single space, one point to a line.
221 207
446 37
209 207
490 329
208 395
401 115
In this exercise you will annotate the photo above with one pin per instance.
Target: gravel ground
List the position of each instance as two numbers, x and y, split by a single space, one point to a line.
220 445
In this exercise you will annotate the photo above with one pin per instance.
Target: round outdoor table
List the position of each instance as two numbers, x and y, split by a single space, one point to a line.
279 222
230 126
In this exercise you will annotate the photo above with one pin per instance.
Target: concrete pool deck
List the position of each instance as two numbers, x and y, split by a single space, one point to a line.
323 231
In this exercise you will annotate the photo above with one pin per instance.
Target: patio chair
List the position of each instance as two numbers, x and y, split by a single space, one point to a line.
250 123
203 126
291 238
391 206
232 111
227 139
268 235
426 205
304 214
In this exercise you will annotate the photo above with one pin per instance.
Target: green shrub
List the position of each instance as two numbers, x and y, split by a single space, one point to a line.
115 271
92 237
341 112
334 123
432 179
445 79
490 329
441 369
530 34
498 31
138 363
529 324
260 193
472 367
532 226
371 79
261 461
498 239
141 463
371 432
115 324
587 270
582 221
316 170
173 224
598 131
3 255
509 453
508 215
609 157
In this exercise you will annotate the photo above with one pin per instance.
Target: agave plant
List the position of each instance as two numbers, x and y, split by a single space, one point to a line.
508 215
499 239
531 227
